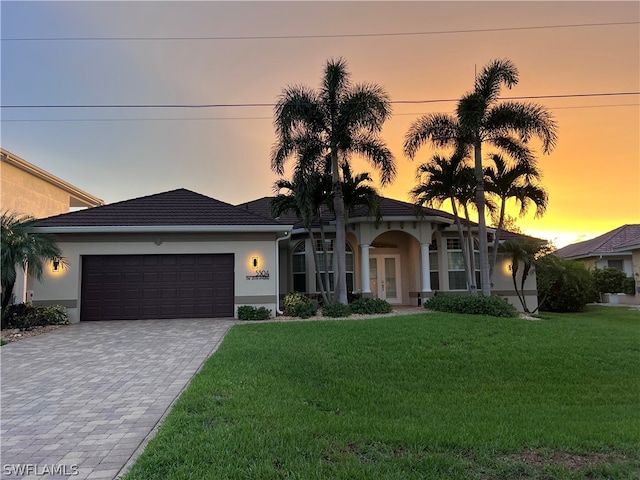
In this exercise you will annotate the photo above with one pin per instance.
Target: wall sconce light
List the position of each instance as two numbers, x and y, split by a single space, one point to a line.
56 265
254 262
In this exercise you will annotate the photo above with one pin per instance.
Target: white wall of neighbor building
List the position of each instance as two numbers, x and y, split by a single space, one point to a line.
64 286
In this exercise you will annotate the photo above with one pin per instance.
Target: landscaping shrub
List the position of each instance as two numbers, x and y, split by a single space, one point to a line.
247 312
299 305
629 286
564 285
609 280
494 306
370 306
25 316
335 310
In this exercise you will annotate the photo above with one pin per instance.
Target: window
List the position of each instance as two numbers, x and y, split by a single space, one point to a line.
617 264
455 261
433 266
328 265
299 268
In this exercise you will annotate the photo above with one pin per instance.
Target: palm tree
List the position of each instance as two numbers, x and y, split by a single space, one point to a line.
513 181
357 191
306 195
481 119
523 252
19 248
444 179
334 123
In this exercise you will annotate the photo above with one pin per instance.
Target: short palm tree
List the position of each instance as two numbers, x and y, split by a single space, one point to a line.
335 122
522 252
481 119
516 181
446 179
306 194
358 191
20 248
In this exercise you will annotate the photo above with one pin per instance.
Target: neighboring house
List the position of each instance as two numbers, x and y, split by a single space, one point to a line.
619 248
182 254
28 190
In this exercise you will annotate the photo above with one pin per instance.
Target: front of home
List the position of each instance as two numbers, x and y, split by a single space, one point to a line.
180 254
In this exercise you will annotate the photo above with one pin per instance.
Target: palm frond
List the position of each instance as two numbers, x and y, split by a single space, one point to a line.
439 129
525 120
493 75
376 151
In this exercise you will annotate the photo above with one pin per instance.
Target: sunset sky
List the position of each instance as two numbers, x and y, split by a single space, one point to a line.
91 53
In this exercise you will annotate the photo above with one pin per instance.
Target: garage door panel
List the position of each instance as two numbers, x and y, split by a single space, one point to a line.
157 286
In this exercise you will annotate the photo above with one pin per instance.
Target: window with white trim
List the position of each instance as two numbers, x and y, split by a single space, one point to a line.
329 265
299 264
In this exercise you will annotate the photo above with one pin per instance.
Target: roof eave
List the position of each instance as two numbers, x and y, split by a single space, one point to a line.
165 229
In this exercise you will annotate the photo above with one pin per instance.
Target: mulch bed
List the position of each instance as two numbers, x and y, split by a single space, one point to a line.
13 335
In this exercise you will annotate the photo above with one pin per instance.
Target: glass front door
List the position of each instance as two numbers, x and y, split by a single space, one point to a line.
384 277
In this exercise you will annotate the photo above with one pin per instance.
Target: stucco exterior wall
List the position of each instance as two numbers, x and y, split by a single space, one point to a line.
22 193
63 287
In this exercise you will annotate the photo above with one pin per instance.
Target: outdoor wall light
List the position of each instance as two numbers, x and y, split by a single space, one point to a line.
254 262
56 265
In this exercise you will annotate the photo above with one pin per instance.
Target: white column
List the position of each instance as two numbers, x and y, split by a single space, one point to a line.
426 270
364 269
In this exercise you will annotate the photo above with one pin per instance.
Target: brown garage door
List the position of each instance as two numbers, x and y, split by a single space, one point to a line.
133 287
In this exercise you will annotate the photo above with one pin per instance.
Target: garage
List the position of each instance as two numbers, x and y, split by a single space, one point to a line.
163 286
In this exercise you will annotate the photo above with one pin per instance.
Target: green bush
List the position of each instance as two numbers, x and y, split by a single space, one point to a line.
564 285
247 312
494 306
609 280
299 305
370 306
25 316
335 310
629 286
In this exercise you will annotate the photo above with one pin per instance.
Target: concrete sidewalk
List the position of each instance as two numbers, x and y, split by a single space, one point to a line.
79 401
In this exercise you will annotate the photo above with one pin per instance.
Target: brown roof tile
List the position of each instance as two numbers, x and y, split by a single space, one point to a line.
176 208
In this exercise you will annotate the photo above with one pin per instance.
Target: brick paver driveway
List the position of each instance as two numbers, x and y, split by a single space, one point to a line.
80 401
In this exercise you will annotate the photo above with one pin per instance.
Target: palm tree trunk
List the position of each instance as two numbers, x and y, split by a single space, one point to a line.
323 290
323 240
473 288
485 281
496 240
463 244
340 247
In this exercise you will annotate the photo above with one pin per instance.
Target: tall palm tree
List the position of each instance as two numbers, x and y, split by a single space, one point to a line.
334 123
19 248
516 181
481 119
444 179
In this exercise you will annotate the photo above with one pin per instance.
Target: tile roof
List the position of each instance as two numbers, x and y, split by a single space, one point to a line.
388 206
606 243
174 208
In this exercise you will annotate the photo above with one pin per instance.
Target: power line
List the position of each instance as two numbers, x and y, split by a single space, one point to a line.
271 105
173 119
298 37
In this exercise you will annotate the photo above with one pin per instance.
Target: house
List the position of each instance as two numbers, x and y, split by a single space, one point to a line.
182 254
619 248
28 190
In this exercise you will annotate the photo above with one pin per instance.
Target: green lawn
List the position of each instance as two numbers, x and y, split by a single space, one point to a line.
435 396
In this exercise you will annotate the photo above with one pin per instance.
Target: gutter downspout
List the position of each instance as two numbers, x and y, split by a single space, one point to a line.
278 240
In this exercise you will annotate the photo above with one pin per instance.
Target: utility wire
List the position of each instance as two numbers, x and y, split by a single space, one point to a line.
172 119
298 37
271 105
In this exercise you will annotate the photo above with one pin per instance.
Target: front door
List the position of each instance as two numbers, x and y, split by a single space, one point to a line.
384 277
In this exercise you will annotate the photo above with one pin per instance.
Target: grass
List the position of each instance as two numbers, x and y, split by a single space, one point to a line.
423 396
